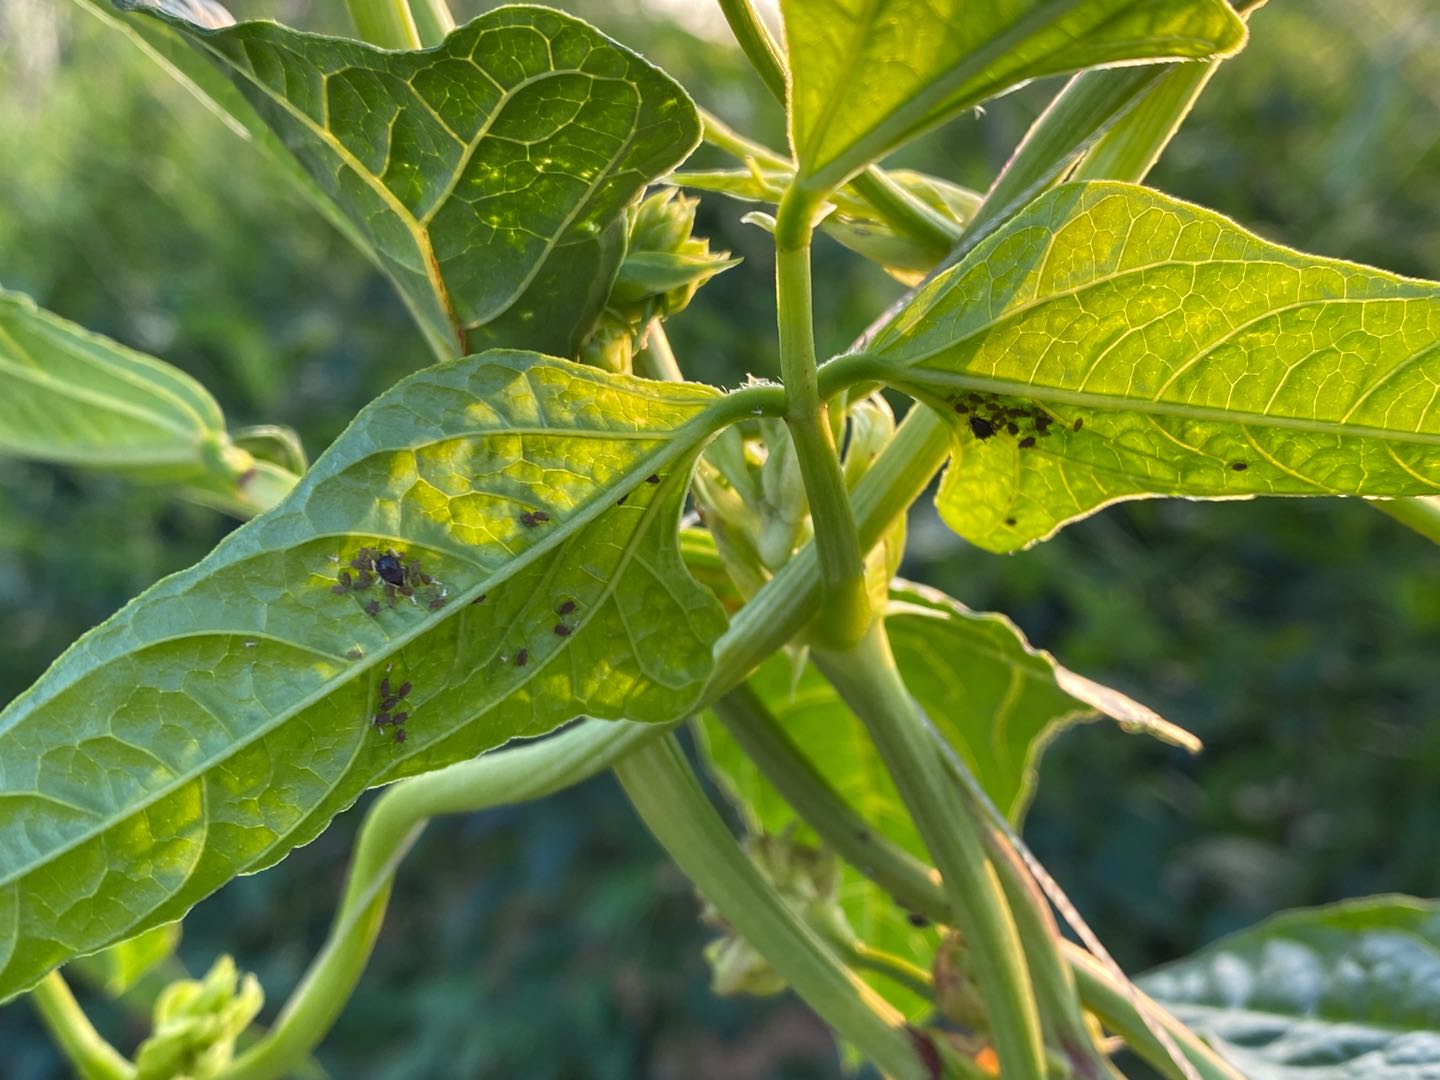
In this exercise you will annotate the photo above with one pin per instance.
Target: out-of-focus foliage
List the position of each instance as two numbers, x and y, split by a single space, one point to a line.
522 939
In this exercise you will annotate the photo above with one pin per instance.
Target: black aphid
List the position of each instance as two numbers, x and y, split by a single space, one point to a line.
962 408
364 579
561 630
390 569
1010 522
479 599
364 559
915 919
436 604
1013 428
981 428
1079 423
399 734
389 703
339 589
540 515
529 520
372 608
403 690
1239 466
522 657
653 478
621 500
354 654
385 686
565 608
400 718
381 719
1027 442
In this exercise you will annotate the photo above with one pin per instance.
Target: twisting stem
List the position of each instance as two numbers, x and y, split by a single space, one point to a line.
757 44
92 1057
669 800
432 20
391 828
866 676
657 359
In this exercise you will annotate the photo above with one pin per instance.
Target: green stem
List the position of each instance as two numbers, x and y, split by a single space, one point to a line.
92 1057
433 21
723 137
386 23
669 800
895 968
866 676
657 359
390 829
844 605
916 887
757 44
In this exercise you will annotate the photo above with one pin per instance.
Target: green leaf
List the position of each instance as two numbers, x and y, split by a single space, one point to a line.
996 699
1345 992
487 174
1142 346
866 77
76 398
225 715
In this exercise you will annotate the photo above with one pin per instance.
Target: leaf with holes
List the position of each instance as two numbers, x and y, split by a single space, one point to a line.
487 552
76 398
1345 992
867 77
487 174
996 699
1112 343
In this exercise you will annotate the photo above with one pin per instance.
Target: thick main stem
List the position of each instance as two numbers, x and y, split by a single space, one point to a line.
387 23
844 604
668 798
866 676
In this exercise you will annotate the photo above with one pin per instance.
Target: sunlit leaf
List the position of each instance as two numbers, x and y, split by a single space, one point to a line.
996 699
867 77
76 398
1346 992
125 963
1112 343
229 712
487 174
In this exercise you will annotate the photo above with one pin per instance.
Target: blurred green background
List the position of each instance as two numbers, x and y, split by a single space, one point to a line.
1299 639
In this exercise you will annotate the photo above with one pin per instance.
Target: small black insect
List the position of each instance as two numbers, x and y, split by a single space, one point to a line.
400 718
389 703
621 500
339 589
1239 466
399 735
372 608
1079 423
566 608
522 657
1027 442
653 478
354 654
364 579
962 408
540 515
436 604
561 630
381 719
915 919
385 686
402 690
1013 428
981 428
1010 522
529 520
1043 420
364 560
390 569
479 599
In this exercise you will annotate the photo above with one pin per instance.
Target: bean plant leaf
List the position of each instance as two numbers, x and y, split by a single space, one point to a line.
996 699
1345 992
867 77
487 174
520 516
1112 343
120 968
76 398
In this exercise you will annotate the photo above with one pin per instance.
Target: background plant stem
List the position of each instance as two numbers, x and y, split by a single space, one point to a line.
92 1057
386 23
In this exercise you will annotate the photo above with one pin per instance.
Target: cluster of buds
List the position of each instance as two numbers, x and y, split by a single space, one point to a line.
663 266
196 1023
752 497
808 880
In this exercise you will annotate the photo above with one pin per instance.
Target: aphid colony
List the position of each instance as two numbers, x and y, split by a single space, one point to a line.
988 415
387 715
397 577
